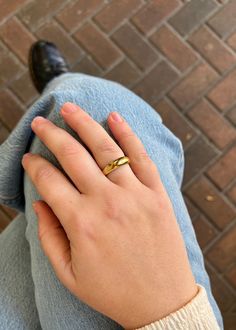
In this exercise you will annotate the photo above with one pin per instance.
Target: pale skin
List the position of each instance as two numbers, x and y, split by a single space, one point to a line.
112 240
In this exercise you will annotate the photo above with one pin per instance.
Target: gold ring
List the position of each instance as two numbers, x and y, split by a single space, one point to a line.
115 163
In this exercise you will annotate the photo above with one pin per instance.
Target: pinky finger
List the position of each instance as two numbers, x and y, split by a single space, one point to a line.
55 243
140 162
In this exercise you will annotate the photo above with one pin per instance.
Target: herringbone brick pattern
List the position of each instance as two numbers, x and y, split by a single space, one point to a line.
180 56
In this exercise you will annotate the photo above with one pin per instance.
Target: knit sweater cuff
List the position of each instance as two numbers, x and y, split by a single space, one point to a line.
197 314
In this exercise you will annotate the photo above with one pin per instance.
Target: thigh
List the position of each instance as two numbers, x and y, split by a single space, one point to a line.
17 302
99 97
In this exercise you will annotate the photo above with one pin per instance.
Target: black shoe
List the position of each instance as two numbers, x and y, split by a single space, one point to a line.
45 63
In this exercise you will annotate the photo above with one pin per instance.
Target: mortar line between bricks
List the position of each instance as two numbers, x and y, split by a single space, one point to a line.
218 230
84 21
207 60
142 37
201 22
46 19
219 276
220 39
13 13
122 22
204 174
201 132
221 233
220 113
14 53
223 38
206 91
172 13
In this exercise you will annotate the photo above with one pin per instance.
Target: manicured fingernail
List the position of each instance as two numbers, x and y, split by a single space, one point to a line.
69 107
27 155
116 117
38 120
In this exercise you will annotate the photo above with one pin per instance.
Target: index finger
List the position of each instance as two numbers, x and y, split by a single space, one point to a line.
55 189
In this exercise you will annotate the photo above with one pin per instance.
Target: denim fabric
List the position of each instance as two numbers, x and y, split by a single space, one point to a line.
51 304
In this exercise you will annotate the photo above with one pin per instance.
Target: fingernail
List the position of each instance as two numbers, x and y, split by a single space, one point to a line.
39 120
116 117
27 155
69 107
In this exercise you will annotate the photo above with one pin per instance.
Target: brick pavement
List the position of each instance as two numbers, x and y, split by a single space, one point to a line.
180 56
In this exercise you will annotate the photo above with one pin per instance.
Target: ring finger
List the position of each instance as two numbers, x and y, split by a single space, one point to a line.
101 144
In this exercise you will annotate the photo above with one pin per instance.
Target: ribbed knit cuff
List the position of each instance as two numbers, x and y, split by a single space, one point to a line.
196 315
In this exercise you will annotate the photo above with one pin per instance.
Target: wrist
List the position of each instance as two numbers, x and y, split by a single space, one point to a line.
157 311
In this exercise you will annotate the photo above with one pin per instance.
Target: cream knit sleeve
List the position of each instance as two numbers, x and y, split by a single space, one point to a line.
196 315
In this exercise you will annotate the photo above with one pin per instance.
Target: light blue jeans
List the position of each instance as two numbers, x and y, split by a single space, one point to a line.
31 296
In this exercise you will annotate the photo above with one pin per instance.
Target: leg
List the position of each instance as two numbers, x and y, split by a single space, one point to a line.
17 302
98 97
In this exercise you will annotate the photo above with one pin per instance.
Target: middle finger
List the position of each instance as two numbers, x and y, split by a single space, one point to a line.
73 157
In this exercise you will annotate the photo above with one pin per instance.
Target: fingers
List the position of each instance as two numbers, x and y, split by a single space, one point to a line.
55 243
140 162
55 189
101 144
73 157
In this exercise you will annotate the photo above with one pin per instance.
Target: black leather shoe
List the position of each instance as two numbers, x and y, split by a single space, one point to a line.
45 63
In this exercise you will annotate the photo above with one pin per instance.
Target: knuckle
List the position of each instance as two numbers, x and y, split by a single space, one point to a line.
106 146
44 173
143 156
127 135
68 149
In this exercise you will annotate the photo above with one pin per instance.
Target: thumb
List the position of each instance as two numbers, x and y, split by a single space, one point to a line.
55 243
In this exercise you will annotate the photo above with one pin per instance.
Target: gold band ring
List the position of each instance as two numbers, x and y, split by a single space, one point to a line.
114 164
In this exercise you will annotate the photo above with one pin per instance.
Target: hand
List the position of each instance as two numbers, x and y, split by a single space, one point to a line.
113 240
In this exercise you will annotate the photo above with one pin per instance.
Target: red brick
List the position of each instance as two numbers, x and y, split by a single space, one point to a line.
124 73
115 12
9 67
212 48
8 7
98 45
17 38
4 220
231 115
134 46
36 12
54 33
154 13
197 156
175 122
193 85
151 86
224 169
87 66
232 41
75 12
174 48
225 20
209 200
231 276
3 133
224 297
24 88
223 253
204 231
191 15
10 110
213 125
231 193
224 94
